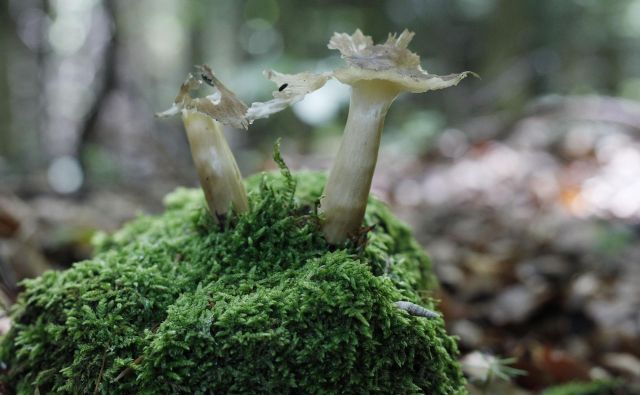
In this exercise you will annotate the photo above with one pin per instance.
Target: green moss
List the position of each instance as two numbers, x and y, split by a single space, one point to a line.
596 387
176 304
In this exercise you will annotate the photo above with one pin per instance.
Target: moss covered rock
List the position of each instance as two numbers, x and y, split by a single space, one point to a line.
177 304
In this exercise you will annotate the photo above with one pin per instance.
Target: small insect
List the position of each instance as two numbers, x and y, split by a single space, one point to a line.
206 74
282 87
207 80
415 310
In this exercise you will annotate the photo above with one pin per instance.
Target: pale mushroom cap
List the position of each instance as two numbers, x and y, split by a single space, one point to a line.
391 62
226 108
291 89
223 105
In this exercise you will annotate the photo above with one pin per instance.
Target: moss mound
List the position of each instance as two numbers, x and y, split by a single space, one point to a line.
176 304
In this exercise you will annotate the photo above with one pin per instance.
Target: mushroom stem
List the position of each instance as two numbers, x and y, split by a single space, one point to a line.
216 166
347 189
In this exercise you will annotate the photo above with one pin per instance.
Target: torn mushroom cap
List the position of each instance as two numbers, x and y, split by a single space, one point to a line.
226 108
391 62
223 105
291 89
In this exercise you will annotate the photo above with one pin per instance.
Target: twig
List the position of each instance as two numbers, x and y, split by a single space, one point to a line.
99 379
128 369
416 310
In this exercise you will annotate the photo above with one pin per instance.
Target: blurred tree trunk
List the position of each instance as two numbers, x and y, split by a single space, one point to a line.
21 86
89 126
6 31
220 35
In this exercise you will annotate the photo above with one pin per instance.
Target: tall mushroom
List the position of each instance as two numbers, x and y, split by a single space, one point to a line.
377 75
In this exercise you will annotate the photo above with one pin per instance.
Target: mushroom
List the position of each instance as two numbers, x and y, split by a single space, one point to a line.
377 75
217 169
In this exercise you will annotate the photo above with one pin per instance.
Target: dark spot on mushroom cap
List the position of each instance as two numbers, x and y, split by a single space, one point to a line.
206 79
282 87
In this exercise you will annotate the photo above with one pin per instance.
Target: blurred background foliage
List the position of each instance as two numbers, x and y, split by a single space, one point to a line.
81 79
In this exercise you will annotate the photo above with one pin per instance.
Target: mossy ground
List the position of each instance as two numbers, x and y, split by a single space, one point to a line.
176 304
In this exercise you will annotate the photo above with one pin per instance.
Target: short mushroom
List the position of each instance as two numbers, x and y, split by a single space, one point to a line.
377 75
217 169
